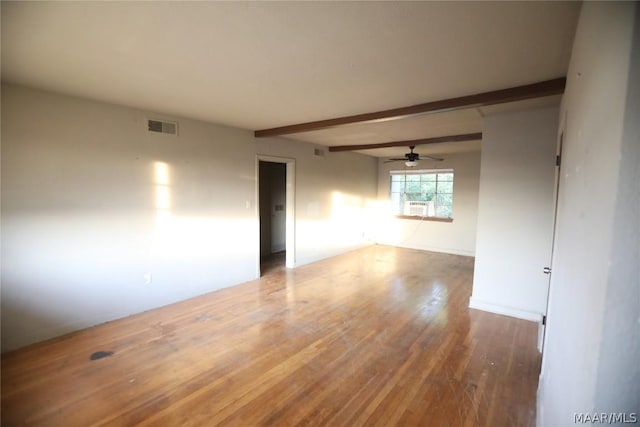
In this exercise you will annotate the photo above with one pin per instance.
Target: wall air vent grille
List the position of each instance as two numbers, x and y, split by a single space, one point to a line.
162 127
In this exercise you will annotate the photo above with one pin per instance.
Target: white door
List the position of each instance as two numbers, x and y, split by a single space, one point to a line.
548 269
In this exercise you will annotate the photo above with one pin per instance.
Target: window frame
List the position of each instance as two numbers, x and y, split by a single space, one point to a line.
435 172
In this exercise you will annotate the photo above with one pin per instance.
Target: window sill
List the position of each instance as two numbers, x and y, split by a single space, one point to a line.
425 218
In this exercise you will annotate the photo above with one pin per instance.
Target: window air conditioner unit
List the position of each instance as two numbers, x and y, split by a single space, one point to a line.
418 208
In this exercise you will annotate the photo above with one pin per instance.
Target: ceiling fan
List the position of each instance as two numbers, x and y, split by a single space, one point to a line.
411 159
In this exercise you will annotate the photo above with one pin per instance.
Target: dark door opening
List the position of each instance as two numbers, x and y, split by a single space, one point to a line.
273 214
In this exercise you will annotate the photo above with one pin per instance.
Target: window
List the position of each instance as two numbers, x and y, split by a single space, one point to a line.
422 193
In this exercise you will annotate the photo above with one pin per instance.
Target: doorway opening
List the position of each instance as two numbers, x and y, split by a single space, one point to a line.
275 206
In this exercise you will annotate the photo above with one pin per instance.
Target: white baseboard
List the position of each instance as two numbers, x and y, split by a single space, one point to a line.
428 248
447 251
507 311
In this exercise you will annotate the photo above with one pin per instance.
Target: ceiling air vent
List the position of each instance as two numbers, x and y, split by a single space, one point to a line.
162 127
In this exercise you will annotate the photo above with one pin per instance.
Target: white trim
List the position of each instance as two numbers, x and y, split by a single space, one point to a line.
429 248
290 236
419 171
507 311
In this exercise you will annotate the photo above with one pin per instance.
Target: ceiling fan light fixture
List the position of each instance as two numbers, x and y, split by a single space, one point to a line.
411 163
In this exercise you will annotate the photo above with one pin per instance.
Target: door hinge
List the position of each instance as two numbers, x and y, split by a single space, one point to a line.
544 320
558 160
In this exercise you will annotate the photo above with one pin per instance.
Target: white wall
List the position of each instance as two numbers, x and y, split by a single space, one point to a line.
457 237
515 217
333 198
592 347
92 202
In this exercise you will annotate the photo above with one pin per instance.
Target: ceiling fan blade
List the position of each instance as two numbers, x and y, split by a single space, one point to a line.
395 160
437 159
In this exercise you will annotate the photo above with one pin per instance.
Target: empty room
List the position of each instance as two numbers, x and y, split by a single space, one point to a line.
320 213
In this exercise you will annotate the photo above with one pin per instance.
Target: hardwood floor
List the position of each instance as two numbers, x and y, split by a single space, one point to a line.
380 336
273 263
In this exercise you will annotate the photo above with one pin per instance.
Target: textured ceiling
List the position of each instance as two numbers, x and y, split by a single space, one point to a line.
257 65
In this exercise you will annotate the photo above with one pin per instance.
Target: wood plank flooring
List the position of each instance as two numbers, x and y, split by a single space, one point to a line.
380 336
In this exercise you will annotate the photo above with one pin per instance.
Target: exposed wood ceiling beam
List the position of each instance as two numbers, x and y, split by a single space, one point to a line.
416 142
518 93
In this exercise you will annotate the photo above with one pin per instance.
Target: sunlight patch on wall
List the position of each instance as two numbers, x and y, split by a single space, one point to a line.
203 237
183 237
348 214
162 190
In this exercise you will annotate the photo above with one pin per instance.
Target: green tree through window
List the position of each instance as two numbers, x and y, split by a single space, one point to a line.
422 193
